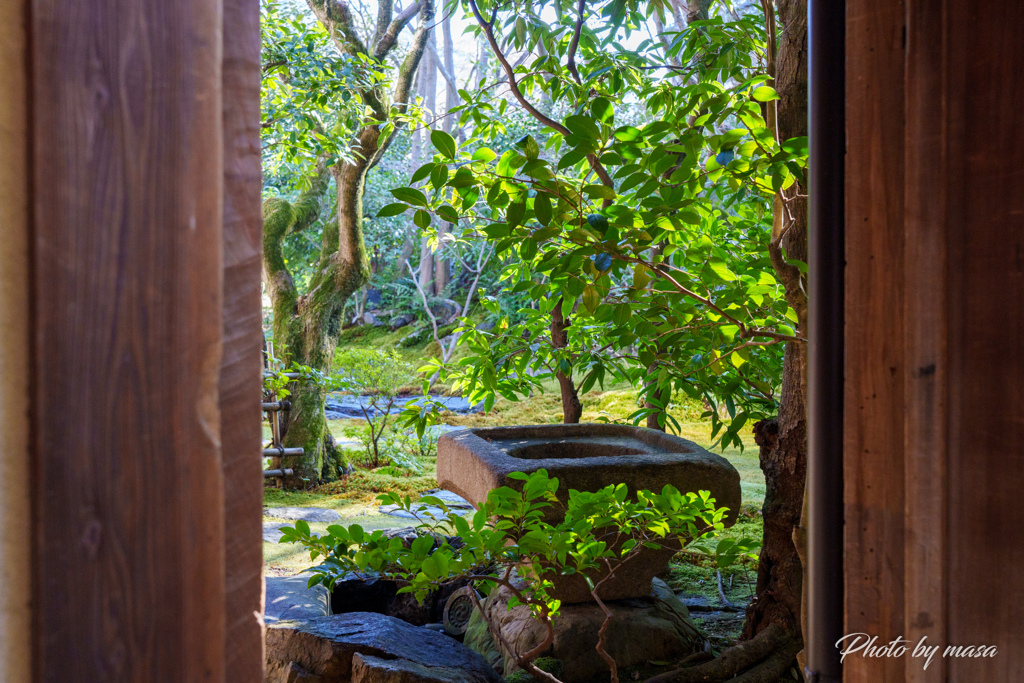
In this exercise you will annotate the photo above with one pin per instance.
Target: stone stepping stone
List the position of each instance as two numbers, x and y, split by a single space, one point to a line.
305 514
288 598
454 501
272 532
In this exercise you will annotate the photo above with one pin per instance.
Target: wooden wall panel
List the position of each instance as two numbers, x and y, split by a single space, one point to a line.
241 377
129 489
926 371
985 81
873 444
960 280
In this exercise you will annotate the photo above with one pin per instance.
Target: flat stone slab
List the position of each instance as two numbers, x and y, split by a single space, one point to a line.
346 406
288 598
305 514
272 532
369 648
454 501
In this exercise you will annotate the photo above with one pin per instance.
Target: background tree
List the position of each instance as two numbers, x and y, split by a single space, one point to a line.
307 323
673 250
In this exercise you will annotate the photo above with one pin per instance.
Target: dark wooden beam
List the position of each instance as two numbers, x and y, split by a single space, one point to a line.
873 444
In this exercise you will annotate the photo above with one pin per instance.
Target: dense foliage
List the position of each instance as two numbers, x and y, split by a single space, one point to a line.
651 240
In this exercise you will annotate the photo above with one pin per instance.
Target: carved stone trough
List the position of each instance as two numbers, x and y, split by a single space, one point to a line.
588 457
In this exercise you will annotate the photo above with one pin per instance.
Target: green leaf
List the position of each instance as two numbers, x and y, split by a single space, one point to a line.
392 210
448 213
410 195
599 192
485 155
583 127
530 148
764 94
796 146
602 110
421 218
628 134
515 213
422 172
444 143
542 207
720 269
591 298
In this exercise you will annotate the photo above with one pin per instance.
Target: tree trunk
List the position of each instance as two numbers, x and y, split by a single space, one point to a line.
572 410
783 441
307 326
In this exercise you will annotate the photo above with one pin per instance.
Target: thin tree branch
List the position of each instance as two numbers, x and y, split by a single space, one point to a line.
575 44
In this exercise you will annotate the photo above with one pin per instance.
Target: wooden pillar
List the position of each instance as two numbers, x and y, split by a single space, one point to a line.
873 444
15 504
935 337
145 189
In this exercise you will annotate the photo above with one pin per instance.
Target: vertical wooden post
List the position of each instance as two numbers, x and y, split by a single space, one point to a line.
934 549
873 444
15 307
145 196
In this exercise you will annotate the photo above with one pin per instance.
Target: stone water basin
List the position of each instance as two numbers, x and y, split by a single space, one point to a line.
588 457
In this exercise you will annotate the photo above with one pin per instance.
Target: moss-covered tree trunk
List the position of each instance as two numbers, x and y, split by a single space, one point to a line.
307 325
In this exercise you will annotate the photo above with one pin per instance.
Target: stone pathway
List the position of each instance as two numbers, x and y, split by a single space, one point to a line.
289 598
305 514
454 502
342 406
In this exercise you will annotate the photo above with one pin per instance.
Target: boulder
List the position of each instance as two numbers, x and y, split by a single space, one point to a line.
400 321
656 628
368 648
370 319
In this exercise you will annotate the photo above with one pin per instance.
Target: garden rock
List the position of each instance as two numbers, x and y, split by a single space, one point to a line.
445 309
305 514
370 319
400 321
655 628
369 648
486 326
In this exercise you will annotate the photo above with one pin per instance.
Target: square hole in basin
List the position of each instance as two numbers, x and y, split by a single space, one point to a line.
574 448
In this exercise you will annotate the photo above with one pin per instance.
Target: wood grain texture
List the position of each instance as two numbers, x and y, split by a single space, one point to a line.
241 377
873 442
926 303
985 75
127 341
960 279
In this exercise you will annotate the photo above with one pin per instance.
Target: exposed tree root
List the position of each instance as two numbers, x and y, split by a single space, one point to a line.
752 661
